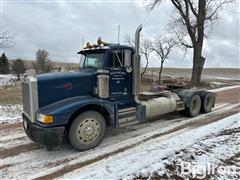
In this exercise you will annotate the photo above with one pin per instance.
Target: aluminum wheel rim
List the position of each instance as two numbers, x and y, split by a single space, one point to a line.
88 131
209 101
195 106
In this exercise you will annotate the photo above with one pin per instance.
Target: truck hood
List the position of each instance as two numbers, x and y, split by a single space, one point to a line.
53 87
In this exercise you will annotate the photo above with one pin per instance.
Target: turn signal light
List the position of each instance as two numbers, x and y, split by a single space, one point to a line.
48 119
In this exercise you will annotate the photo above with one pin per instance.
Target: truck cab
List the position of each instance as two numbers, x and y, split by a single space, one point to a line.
105 91
114 61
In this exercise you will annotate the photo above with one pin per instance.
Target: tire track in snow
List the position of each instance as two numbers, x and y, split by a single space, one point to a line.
5 166
8 127
169 118
113 137
18 150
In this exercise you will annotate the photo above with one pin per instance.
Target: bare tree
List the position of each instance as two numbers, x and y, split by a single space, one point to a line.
162 46
189 24
43 63
18 67
145 50
6 39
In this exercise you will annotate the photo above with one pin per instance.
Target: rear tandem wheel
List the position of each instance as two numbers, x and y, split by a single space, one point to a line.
194 106
207 102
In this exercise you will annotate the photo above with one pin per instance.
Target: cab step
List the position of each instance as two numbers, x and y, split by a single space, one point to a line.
127 115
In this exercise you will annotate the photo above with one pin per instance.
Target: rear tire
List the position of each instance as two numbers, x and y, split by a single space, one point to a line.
207 103
87 130
194 106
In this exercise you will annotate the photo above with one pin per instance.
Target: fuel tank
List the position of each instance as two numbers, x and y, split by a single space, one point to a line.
160 105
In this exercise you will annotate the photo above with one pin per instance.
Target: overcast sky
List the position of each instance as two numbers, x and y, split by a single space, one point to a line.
60 26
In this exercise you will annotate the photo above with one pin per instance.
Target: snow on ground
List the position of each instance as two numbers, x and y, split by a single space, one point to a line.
42 162
7 80
224 88
10 113
160 156
212 151
236 77
185 74
215 150
214 85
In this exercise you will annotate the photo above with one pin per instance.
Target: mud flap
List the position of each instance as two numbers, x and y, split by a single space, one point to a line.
141 113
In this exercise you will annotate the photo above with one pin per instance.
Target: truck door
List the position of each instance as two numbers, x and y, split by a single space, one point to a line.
120 73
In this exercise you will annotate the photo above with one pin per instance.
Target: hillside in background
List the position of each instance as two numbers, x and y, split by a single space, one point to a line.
207 74
64 65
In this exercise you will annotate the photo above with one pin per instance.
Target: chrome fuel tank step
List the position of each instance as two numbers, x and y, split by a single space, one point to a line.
126 115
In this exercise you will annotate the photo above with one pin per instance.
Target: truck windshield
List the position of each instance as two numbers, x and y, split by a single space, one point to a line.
92 60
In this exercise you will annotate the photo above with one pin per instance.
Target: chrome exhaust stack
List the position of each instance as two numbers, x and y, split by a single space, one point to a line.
137 67
150 108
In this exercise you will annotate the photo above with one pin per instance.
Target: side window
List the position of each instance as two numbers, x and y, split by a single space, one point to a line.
120 59
116 59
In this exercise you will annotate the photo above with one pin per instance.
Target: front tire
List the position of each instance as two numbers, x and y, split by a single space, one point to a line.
87 130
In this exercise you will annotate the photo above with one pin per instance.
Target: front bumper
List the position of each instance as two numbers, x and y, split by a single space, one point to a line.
50 137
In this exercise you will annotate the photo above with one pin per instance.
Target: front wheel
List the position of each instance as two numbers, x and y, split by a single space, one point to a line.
87 130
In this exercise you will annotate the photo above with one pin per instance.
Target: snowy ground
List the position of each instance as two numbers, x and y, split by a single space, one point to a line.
126 152
224 88
184 74
207 74
7 80
162 157
10 113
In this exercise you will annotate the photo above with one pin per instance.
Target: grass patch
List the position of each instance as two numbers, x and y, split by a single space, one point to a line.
11 94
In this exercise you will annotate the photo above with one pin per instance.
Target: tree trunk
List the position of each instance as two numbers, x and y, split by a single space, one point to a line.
18 76
198 60
145 69
198 63
160 74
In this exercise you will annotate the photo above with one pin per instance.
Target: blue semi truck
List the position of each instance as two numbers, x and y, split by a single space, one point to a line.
80 105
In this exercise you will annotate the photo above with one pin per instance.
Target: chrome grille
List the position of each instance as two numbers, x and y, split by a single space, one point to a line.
30 97
26 98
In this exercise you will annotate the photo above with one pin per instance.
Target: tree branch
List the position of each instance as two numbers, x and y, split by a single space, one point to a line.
210 17
188 24
192 8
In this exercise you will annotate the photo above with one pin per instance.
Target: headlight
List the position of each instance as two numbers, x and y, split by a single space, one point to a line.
46 119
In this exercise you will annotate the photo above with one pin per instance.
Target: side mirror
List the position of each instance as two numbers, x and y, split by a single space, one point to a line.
127 58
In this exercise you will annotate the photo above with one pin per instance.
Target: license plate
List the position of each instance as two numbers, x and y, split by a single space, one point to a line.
25 124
